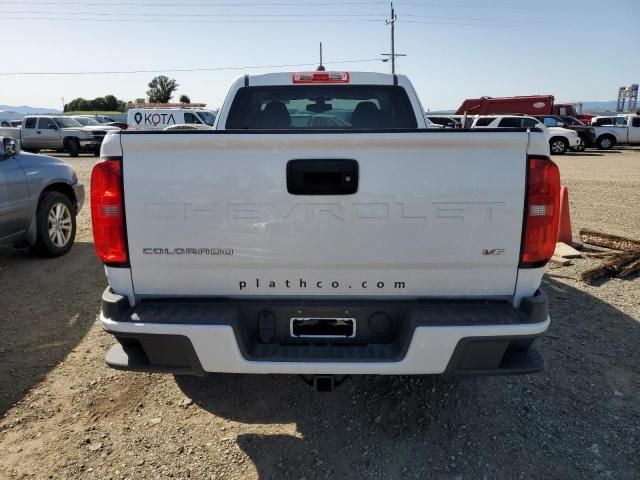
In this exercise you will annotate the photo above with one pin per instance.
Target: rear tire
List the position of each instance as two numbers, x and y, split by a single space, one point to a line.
605 142
96 152
558 145
73 147
55 225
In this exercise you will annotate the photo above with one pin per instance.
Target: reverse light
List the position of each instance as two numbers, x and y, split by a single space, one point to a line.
542 212
107 212
321 77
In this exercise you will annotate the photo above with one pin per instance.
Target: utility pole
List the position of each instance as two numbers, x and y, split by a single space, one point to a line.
393 54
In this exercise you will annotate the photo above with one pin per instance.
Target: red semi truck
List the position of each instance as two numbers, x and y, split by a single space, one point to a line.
529 105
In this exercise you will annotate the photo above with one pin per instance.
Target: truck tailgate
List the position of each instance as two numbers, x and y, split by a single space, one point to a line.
436 213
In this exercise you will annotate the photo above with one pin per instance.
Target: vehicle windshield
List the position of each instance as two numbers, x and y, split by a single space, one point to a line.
207 117
67 122
550 121
86 121
366 107
572 121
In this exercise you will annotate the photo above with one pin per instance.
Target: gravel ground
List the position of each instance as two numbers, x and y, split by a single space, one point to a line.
65 415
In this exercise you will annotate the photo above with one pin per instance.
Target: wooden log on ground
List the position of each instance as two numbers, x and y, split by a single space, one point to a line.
601 254
614 242
593 273
613 266
629 268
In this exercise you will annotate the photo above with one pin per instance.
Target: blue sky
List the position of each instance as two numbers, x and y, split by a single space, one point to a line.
573 49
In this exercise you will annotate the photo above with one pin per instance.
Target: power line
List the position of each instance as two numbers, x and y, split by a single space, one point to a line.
301 19
222 4
274 15
453 5
175 70
307 16
204 5
168 20
503 21
243 19
260 4
507 25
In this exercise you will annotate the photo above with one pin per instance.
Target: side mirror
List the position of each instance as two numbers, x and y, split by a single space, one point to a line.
52 127
560 124
9 147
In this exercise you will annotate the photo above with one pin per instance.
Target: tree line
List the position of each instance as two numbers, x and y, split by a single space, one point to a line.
161 90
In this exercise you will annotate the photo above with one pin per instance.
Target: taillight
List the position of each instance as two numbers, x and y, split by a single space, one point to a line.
321 77
541 212
107 212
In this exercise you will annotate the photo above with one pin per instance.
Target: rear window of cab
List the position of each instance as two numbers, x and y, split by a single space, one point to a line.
297 107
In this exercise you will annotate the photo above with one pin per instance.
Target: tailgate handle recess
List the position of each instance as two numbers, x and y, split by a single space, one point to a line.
322 177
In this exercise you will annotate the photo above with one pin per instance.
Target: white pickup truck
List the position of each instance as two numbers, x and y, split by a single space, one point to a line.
377 247
618 130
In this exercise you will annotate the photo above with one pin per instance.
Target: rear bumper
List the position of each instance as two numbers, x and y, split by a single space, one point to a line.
187 337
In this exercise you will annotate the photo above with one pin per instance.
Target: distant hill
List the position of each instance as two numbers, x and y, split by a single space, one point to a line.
26 109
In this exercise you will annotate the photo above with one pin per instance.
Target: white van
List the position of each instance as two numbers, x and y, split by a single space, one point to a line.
160 118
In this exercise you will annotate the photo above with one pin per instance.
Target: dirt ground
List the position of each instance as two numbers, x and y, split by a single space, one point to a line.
65 415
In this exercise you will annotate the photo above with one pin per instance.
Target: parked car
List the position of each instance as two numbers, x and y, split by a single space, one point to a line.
447 122
560 139
317 120
52 132
601 120
93 125
573 121
325 253
465 120
104 120
159 118
618 130
11 123
187 126
587 134
40 200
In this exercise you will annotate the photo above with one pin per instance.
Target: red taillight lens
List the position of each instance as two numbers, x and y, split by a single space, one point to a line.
107 211
321 77
542 212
